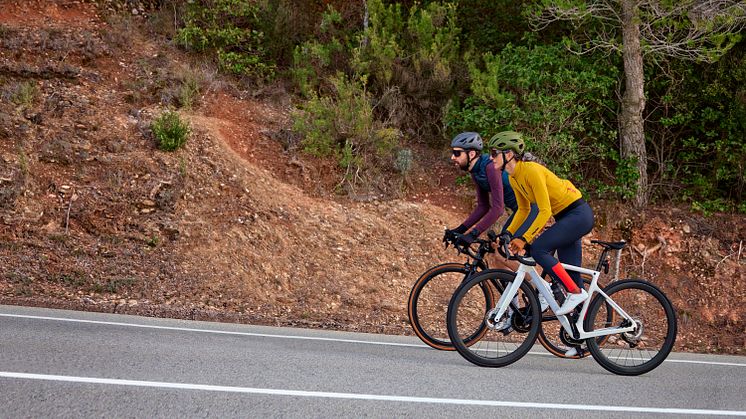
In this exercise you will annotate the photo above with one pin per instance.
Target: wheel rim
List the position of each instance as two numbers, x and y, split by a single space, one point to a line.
429 305
495 347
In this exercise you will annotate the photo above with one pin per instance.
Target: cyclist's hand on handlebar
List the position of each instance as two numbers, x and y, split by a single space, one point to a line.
517 246
467 239
450 235
504 238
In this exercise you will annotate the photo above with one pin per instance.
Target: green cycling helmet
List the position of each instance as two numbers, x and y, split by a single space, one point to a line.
507 141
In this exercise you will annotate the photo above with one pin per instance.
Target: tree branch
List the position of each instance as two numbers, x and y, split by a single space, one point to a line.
695 30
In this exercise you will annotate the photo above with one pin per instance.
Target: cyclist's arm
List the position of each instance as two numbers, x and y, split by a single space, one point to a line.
482 207
497 207
537 182
523 209
532 213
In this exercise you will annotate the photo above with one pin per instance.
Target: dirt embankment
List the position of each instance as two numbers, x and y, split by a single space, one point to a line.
234 226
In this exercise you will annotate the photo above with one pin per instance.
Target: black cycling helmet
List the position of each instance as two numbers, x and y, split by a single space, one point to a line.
507 141
467 141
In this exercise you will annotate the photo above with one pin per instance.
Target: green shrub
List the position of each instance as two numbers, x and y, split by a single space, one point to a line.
619 175
190 83
170 131
463 180
227 28
404 161
412 60
22 94
342 125
699 125
315 59
289 23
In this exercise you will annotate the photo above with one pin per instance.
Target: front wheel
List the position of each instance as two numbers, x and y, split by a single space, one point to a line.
505 340
648 345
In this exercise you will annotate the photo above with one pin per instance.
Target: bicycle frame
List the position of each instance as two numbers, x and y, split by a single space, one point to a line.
538 282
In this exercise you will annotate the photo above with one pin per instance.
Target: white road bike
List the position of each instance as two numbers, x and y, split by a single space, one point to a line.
636 318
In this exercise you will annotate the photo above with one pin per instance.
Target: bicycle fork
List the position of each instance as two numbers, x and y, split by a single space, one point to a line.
502 306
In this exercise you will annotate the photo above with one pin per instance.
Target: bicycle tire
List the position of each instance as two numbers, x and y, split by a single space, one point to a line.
549 333
638 298
463 316
429 323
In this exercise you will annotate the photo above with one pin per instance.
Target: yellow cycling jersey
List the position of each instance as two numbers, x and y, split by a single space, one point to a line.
534 183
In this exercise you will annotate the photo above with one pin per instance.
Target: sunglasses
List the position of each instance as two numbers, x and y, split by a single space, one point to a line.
457 153
494 152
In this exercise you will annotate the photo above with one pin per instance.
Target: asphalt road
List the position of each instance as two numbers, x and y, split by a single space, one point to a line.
56 363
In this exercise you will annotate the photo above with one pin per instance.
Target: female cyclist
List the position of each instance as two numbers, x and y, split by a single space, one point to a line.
535 184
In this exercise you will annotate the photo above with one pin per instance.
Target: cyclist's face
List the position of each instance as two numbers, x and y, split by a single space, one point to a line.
460 158
498 157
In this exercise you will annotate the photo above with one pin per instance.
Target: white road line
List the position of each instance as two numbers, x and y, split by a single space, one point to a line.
269 335
377 397
220 332
687 361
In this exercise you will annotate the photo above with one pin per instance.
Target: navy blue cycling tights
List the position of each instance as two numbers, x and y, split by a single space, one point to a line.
565 236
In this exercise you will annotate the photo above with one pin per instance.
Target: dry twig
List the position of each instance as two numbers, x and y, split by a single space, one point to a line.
67 215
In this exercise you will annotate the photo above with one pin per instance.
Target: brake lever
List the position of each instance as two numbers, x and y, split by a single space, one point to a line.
503 250
523 260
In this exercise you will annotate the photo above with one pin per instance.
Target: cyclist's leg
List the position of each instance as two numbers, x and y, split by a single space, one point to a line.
542 249
572 254
581 219
567 231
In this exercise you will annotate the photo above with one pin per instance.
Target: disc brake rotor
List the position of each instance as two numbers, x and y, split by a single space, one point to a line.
634 337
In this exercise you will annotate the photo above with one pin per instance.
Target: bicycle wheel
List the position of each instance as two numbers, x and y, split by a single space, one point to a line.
639 351
496 348
557 341
428 304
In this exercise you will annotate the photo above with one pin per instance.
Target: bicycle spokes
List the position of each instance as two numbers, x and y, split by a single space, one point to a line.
653 334
507 337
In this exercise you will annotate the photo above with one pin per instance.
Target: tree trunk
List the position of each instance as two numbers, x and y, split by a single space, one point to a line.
631 127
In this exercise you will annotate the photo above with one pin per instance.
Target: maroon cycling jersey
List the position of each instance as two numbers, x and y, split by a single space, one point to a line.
490 204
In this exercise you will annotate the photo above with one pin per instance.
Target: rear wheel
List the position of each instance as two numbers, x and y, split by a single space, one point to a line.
496 347
646 347
428 304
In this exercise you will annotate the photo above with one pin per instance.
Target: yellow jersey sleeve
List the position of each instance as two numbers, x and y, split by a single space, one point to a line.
524 206
536 183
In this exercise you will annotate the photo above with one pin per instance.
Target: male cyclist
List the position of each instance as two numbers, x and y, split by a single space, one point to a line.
467 155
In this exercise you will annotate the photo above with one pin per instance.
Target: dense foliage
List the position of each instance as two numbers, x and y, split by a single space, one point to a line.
560 101
227 28
698 129
375 77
